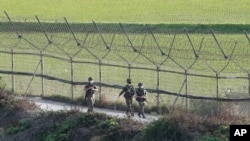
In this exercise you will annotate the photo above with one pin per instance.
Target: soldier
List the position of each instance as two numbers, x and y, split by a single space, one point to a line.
129 92
141 94
90 89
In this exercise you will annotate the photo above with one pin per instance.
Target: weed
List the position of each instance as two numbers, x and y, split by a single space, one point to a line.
88 120
22 125
184 125
220 134
166 129
108 124
61 131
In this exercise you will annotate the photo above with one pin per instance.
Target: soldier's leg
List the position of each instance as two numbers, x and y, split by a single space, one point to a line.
131 108
92 103
142 109
128 102
89 104
139 113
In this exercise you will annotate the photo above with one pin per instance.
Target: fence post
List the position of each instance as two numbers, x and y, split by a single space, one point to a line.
129 70
158 87
42 72
100 79
72 78
12 70
186 88
249 83
217 93
217 85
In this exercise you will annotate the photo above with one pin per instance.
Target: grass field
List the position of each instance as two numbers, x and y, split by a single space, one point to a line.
228 18
133 11
181 52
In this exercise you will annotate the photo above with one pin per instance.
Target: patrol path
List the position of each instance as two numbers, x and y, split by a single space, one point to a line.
49 105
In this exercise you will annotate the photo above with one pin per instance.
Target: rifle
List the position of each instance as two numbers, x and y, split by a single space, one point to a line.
88 88
142 97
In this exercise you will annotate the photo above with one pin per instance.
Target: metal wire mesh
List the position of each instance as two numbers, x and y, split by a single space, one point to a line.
57 58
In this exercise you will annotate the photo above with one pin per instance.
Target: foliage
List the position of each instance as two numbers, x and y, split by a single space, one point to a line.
61 131
88 120
182 125
22 125
166 129
220 134
7 102
108 124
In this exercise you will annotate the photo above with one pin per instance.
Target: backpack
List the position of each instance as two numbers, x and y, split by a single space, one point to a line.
129 92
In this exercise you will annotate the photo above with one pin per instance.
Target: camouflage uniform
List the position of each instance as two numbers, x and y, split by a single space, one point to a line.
141 98
90 89
129 92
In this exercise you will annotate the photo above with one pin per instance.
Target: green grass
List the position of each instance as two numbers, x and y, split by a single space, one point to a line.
181 53
228 18
132 11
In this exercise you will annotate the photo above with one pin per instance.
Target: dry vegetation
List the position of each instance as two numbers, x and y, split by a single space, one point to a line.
24 121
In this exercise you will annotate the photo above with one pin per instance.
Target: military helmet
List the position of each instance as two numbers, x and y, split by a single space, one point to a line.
128 80
90 78
140 84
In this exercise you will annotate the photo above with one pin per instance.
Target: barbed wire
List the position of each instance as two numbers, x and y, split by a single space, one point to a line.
195 56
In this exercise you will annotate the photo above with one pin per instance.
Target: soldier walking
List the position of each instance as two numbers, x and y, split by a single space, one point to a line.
141 94
129 92
90 89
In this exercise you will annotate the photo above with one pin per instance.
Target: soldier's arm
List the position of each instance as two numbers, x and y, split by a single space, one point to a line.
85 88
137 93
94 88
123 90
121 93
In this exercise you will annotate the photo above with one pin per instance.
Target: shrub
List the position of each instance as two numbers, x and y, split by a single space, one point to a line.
220 134
108 124
165 129
22 125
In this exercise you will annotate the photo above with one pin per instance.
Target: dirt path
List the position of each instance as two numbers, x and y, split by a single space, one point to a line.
49 105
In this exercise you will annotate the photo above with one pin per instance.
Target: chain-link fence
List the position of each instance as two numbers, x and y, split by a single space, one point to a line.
180 68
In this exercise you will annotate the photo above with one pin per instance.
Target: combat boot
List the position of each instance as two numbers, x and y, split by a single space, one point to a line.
139 114
127 112
143 116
